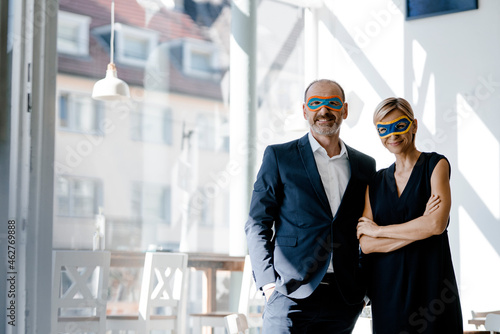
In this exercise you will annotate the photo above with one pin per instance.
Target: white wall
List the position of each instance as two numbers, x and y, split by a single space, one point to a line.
447 67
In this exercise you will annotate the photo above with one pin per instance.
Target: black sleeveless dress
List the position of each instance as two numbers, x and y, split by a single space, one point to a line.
412 289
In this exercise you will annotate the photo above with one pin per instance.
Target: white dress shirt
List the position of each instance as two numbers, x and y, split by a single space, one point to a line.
335 173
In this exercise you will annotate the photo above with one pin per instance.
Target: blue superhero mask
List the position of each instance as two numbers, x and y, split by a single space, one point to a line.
398 126
331 102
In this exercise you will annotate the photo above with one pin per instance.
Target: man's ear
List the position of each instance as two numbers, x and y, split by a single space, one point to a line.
345 111
304 111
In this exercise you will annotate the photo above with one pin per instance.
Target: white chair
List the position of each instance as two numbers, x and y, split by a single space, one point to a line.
252 300
492 322
79 291
479 318
236 323
162 302
251 304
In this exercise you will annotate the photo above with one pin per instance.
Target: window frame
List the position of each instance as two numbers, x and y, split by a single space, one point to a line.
189 46
122 31
137 133
82 23
97 196
97 107
137 193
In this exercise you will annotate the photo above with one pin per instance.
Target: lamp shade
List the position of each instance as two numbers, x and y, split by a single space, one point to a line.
110 88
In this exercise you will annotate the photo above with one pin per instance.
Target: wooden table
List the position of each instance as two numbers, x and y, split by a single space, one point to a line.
208 263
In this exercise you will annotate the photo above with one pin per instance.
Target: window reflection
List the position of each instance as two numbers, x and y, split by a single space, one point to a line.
154 153
73 34
77 197
79 113
157 164
152 124
151 202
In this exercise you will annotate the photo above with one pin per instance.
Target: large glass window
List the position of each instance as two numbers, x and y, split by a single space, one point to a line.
162 156
157 167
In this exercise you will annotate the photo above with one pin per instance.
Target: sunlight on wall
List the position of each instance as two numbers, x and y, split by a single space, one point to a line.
474 141
423 90
419 57
477 277
429 116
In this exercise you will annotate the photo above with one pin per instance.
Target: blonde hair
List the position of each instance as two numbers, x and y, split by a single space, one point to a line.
390 104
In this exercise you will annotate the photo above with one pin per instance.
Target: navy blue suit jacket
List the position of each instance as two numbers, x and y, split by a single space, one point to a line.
289 197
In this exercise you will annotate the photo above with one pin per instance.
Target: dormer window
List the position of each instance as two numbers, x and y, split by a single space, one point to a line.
132 45
201 59
73 34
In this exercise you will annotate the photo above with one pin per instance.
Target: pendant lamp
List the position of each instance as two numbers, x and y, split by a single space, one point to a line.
111 88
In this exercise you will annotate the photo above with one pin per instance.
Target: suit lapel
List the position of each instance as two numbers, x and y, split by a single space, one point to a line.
307 157
353 162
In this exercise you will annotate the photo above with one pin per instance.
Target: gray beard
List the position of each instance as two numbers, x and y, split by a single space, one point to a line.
324 131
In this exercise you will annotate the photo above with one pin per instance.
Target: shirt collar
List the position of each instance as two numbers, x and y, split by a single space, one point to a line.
316 146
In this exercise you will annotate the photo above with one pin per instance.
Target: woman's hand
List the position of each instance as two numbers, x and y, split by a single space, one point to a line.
367 227
432 204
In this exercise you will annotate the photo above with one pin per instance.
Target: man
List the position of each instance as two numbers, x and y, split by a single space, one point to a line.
311 192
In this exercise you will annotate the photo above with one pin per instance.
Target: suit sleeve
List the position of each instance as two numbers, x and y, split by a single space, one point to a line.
264 210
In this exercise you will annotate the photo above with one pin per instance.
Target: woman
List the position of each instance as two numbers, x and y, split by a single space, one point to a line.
410 276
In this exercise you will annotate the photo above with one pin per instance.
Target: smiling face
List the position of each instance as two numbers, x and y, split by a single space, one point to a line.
396 131
324 108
